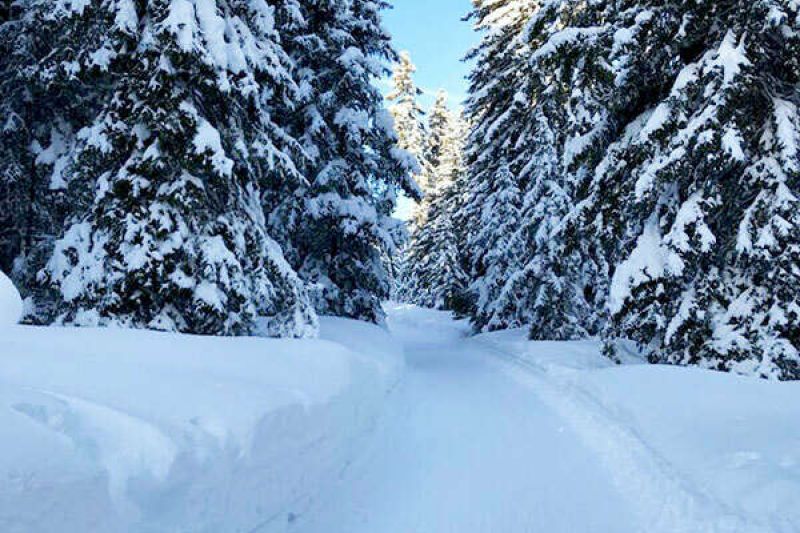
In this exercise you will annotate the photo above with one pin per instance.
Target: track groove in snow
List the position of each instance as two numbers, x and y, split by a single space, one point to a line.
664 499
463 448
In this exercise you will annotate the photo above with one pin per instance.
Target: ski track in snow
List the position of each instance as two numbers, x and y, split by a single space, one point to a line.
477 439
665 501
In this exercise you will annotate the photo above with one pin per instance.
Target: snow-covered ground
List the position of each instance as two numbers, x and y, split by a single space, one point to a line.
112 430
499 434
692 450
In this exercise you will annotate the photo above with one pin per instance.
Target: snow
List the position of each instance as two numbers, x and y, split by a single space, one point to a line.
786 120
647 261
690 449
498 433
119 430
731 57
462 448
732 144
208 140
566 36
181 23
10 302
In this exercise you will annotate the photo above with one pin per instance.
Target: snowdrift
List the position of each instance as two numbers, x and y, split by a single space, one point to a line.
693 448
118 430
10 302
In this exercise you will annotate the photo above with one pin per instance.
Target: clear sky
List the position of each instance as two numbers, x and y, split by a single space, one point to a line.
433 33
437 39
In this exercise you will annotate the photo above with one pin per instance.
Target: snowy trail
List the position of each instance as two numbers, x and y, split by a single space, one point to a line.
464 447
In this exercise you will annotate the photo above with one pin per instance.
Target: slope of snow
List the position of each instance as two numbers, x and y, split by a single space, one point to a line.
116 430
10 302
694 450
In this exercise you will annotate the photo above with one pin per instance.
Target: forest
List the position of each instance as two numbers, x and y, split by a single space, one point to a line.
624 170
259 273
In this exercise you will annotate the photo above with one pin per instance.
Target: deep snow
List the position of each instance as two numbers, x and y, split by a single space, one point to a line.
10 302
117 430
114 430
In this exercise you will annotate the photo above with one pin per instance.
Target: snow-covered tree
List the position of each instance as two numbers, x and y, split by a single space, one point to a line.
440 137
520 120
16 159
497 249
708 269
355 167
42 104
168 230
407 112
409 125
432 273
675 126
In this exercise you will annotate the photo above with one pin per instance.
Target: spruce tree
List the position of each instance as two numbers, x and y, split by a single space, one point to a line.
168 230
432 273
440 136
409 125
16 159
43 105
408 113
498 250
707 270
520 119
355 168
675 128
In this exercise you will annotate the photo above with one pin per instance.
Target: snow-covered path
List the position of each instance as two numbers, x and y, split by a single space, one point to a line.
465 448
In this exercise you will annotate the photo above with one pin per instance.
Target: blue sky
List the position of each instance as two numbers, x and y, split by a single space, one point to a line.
432 31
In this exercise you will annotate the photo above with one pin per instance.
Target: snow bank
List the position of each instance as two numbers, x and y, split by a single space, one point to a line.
697 450
10 302
117 430
735 440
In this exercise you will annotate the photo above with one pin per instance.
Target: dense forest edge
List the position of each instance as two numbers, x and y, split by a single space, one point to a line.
621 169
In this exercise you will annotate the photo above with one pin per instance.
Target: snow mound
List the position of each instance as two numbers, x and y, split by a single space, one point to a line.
120 430
10 302
696 450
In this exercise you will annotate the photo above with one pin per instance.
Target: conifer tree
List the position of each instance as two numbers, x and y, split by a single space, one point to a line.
355 167
518 119
674 124
168 230
41 106
707 270
432 273
408 113
498 252
441 136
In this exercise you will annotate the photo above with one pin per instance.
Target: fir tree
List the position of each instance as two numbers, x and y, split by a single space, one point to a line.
409 125
675 124
499 250
441 136
408 114
433 274
43 105
519 119
168 230
707 270
355 168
